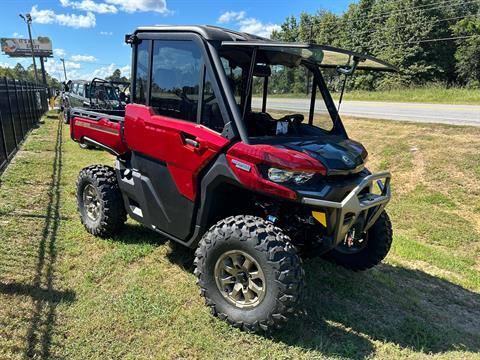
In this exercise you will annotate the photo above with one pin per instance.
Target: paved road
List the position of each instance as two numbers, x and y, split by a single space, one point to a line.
426 113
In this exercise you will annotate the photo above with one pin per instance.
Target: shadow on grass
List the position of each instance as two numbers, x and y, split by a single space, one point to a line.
347 310
44 297
138 234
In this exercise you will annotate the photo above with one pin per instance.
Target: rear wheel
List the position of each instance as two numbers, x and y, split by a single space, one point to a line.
365 251
249 273
100 202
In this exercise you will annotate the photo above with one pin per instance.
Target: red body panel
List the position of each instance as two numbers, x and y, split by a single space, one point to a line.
277 157
163 138
252 155
103 131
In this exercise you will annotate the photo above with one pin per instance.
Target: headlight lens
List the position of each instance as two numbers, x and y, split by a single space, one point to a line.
279 175
282 176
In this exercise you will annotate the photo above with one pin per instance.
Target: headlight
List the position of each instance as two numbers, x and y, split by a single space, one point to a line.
282 176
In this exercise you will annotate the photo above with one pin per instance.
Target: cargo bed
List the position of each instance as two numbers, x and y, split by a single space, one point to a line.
101 128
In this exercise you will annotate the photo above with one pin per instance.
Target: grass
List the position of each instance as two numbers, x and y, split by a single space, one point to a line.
66 294
429 94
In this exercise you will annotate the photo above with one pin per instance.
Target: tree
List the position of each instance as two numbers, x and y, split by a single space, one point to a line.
403 32
117 76
468 50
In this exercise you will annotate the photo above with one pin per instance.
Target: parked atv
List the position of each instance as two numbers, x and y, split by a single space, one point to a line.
252 191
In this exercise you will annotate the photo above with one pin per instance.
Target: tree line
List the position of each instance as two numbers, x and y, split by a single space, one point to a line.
429 41
19 72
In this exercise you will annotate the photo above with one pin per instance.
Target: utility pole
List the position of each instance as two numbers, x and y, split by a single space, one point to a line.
28 20
64 71
42 66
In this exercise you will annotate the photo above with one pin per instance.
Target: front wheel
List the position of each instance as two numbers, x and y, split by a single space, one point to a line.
366 251
249 273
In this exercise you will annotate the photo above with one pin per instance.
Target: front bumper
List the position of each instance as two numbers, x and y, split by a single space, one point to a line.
345 213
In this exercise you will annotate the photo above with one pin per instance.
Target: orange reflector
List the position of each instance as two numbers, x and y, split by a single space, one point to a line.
321 217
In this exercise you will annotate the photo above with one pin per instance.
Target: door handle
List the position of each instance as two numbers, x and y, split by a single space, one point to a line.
192 142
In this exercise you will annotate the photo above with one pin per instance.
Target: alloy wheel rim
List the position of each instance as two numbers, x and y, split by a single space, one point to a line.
91 202
240 279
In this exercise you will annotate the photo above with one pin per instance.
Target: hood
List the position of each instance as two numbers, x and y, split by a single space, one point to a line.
340 156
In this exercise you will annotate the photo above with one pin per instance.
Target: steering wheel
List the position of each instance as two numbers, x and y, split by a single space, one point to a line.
294 119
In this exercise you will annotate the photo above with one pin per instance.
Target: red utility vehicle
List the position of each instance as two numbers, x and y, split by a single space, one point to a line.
251 190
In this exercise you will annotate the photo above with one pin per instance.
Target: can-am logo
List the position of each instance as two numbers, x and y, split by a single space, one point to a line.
347 160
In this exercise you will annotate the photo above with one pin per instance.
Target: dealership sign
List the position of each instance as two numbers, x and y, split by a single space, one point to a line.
42 47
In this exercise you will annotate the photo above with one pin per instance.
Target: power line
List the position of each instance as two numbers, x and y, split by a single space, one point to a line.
433 40
433 4
407 25
415 9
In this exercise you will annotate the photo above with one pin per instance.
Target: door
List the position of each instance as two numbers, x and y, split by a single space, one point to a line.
170 144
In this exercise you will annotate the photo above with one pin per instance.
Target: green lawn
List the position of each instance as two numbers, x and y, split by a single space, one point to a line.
429 94
65 294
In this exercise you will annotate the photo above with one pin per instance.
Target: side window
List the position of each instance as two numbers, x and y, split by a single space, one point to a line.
80 89
211 115
141 77
74 88
176 79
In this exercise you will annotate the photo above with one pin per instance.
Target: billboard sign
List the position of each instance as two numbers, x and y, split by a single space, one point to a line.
42 47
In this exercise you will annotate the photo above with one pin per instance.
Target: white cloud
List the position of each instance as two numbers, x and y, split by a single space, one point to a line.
83 58
105 71
131 6
17 35
256 27
50 17
106 33
89 5
55 68
59 52
230 16
6 65
249 25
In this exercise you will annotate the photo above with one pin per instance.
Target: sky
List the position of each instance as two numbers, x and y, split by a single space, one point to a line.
89 34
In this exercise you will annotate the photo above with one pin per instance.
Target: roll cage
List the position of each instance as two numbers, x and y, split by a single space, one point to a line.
213 41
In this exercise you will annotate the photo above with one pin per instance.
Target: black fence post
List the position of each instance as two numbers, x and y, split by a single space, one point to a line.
12 118
24 107
14 113
20 110
3 144
30 102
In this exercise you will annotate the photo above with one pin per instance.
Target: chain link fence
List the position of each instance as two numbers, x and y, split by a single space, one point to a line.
22 104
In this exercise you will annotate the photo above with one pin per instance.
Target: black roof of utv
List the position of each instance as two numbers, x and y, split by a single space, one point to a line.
208 32
321 55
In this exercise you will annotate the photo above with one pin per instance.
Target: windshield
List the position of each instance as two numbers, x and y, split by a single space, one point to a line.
320 55
282 99
109 91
